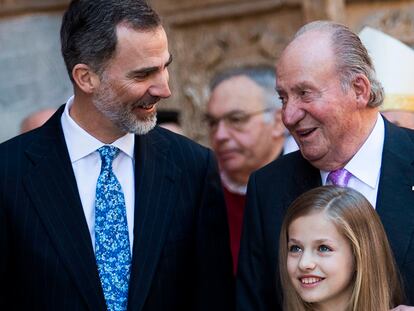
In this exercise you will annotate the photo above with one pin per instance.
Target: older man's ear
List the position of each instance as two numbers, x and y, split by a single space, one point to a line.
362 89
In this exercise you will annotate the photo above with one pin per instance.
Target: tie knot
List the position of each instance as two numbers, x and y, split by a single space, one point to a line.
108 154
339 177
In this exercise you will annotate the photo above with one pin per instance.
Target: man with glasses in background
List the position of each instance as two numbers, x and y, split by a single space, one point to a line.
246 132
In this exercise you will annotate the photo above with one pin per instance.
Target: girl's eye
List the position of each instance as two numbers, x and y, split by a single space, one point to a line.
324 249
294 249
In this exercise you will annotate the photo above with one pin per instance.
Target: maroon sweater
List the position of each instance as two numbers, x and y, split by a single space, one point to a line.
235 209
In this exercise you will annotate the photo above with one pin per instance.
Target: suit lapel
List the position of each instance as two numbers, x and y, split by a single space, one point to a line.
306 177
156 193
395 195
51 185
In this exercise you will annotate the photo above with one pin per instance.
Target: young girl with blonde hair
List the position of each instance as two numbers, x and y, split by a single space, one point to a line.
334 255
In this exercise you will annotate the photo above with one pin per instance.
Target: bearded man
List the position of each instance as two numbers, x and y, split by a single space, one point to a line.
99 208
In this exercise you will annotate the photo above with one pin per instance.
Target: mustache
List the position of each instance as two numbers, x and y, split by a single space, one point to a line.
149 101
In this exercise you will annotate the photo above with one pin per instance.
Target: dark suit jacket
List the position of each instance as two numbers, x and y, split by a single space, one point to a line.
181 258
273 188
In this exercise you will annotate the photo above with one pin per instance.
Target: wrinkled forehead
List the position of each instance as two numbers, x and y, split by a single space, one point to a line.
312 46
236 93
307 57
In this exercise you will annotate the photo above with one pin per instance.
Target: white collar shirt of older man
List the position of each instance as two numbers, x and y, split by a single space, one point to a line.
365 165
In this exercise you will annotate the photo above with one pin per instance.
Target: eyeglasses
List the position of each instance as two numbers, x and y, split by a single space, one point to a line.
233 119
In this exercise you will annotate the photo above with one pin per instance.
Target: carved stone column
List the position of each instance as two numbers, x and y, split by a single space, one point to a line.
209 36
324 9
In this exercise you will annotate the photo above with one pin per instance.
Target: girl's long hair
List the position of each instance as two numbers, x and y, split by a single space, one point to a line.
377 285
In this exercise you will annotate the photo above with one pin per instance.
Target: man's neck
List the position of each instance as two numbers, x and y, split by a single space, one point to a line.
85 114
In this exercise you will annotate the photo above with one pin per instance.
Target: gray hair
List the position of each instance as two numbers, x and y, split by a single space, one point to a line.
263 76
352 57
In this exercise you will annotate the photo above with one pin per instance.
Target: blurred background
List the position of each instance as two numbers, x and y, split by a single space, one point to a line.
205 37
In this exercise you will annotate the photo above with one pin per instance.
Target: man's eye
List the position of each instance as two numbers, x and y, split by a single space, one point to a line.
237 119
324 249
212 122
141 76
294 249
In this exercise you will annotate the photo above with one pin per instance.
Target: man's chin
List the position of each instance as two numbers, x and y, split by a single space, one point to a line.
317 160
139 127
144 127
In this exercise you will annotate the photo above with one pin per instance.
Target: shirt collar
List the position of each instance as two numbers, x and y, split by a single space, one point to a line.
80 143
231 186
366 163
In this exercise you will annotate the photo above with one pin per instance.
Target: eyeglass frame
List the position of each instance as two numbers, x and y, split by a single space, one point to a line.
233 124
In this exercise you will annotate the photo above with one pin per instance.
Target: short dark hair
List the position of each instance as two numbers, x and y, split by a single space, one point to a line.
88 31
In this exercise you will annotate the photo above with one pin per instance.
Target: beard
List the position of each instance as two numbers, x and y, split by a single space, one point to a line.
122 113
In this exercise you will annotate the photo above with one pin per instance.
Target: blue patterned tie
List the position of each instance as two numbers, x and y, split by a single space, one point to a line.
112 251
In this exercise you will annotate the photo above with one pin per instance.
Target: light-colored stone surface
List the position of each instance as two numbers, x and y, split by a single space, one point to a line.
243 33
393 17
324 9
21 6
32 72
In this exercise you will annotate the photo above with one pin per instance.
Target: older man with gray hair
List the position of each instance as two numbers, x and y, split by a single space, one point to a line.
246 133
330 95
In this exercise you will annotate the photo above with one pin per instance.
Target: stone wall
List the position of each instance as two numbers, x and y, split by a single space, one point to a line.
211 35
32 72
205 36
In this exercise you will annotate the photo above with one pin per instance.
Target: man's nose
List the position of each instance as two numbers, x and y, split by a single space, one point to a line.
222 132
292 113
160 87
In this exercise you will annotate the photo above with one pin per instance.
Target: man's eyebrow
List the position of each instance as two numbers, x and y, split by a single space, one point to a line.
149 69
228 113
303 85
169 60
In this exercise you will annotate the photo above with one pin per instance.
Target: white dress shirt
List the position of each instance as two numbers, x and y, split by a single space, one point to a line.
86 163
365 165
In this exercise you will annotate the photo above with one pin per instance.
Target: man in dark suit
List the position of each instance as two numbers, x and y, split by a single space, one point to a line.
99 208
246 132
330 105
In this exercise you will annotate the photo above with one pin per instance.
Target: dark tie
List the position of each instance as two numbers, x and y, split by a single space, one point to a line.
112 251
339 177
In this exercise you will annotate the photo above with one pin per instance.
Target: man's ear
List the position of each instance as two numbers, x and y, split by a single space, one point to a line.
278 127
362 89
85 78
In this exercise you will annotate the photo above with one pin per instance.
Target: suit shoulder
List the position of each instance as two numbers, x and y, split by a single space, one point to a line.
282 165
183 149
18 143
410 133
13 159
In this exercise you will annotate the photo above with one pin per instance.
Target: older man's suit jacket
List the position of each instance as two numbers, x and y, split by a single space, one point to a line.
181 257
273 188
